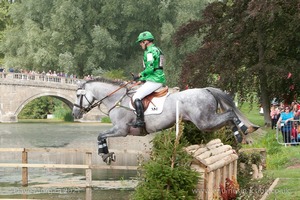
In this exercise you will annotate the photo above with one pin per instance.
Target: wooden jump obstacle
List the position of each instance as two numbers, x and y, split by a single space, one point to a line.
215 162
88 166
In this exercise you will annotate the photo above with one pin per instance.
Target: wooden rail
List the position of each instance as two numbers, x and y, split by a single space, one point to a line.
88 166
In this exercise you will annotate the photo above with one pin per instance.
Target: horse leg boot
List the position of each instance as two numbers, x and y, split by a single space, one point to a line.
139 114
236 134
241 125
102 147
107 156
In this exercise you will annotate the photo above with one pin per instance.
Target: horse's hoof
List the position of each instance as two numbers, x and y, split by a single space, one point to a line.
108 160
113 157
251 129
109 157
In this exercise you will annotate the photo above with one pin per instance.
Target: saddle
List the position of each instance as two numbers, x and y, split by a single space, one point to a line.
148 99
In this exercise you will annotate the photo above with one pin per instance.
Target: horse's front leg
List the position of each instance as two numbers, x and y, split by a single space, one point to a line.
102 143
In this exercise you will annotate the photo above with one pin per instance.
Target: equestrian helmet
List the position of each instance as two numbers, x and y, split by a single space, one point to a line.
146 35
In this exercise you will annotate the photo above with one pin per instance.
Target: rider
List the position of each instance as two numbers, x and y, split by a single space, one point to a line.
153 74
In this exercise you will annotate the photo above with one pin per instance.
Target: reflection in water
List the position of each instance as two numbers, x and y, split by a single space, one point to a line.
55 135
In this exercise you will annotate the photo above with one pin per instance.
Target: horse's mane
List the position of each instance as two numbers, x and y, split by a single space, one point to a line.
104 80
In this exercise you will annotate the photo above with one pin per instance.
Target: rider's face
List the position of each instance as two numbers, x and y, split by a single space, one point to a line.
143 44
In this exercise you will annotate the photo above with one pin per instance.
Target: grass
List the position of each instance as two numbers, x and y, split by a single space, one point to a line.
279 158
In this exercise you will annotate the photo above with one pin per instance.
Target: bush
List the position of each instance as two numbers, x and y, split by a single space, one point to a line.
194 136
63 112
105 120
167 175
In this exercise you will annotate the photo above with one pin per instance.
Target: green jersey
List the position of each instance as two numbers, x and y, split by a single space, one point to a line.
152 69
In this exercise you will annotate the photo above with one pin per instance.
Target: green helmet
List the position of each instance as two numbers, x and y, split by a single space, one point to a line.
146 35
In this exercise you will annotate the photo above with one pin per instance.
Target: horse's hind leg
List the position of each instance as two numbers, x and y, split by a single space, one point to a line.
236 133
218 120
240 124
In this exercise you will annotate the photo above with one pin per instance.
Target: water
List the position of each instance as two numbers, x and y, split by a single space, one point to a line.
54 135
49 134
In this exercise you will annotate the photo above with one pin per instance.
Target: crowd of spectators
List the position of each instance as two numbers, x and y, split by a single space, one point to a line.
286 118
48 73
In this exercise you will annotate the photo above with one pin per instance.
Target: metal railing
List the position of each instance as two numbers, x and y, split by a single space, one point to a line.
288 134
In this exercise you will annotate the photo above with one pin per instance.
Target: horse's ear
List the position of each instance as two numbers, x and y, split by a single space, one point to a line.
80 83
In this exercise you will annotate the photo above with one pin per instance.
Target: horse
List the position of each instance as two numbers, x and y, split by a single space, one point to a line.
201 106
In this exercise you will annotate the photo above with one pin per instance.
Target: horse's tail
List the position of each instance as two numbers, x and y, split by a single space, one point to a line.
226 102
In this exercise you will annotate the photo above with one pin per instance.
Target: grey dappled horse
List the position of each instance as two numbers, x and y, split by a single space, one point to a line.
200 106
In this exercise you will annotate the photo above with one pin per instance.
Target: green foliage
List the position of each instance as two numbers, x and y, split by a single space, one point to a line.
251 109
167 175
63 112
40 107
114 74
105 120
37 108
254 39
244 175
40 36
194 136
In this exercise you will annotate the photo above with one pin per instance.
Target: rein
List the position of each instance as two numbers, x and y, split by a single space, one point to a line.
118 102
98 103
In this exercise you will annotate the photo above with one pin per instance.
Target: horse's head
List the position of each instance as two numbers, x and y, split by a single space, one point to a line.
84 102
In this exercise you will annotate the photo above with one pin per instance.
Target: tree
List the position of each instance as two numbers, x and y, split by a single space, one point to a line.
48 33
94 36
38 108
4 18
248 46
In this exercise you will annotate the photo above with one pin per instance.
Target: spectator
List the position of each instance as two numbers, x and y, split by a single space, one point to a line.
274 114
295 133
281 107
285 124
295 108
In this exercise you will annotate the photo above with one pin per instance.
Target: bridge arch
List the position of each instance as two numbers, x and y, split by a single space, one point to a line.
18 89
61 97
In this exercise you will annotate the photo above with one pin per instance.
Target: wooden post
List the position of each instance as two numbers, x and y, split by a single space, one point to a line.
230 170
217 179
88 171
210 185
88 176
88 193
24 169
224 175
235 169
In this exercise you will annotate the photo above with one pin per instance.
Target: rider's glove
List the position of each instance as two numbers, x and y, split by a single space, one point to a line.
136 77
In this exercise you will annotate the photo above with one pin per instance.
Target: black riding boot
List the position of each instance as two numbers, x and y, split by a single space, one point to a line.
139 114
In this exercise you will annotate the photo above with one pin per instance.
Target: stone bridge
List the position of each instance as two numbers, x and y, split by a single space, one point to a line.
17 90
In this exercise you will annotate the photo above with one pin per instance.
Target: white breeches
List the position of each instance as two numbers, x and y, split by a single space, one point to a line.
145 89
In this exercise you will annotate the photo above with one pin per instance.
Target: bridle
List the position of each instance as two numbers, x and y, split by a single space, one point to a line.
82 94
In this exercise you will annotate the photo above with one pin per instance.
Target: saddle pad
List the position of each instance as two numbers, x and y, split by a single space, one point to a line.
155 106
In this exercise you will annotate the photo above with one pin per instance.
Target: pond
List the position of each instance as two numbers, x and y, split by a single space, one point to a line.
54 135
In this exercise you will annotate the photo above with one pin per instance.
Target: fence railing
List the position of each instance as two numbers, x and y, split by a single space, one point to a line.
288 133
39 77
88 165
